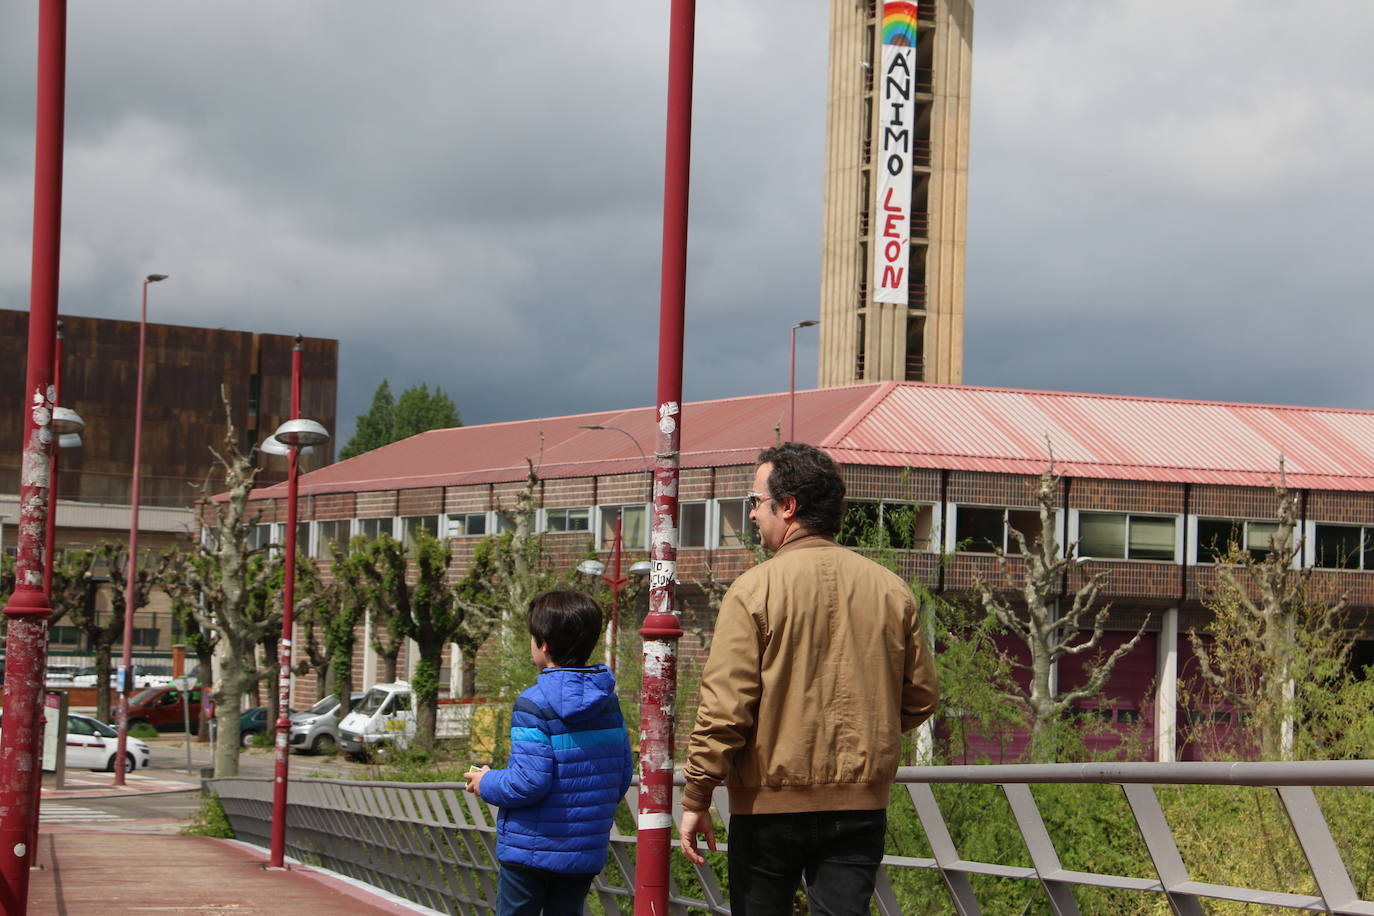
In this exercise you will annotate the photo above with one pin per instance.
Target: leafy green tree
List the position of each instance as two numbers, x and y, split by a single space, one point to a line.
100 635
420 607
391 420
200 639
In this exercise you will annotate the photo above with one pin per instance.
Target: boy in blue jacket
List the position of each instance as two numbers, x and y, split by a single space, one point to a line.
569 766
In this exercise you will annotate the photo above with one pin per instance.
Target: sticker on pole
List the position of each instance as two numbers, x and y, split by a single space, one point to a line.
662 573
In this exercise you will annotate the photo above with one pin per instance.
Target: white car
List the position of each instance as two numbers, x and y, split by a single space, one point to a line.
92 745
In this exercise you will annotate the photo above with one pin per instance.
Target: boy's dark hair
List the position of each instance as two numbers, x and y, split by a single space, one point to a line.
812 478
568 622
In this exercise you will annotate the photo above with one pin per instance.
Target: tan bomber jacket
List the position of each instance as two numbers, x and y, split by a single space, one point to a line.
817 667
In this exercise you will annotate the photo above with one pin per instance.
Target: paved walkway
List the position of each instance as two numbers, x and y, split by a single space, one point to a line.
90 862
88 872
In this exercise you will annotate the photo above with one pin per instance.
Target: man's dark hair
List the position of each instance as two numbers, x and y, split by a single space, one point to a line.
568 622
812 478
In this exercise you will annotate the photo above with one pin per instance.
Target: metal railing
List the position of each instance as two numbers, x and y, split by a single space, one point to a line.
435 844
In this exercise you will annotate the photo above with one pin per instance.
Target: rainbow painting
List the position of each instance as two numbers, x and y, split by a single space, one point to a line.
899 23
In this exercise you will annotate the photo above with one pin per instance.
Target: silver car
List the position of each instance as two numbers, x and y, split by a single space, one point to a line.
316 730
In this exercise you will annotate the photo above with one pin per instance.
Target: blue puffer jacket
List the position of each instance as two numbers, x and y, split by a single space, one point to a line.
569 767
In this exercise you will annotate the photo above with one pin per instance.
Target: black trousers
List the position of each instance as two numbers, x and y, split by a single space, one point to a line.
838 852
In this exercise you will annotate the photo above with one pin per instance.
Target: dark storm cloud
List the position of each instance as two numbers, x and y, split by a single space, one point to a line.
1171 199
471 198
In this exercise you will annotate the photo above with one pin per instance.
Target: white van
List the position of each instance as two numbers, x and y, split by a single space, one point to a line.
386 715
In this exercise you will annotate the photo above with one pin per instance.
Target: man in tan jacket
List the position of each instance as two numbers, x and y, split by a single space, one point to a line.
817 667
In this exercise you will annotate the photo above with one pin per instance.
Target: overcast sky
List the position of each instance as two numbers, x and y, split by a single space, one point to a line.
1167 198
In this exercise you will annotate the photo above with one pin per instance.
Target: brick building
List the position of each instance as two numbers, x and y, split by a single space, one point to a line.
1146 486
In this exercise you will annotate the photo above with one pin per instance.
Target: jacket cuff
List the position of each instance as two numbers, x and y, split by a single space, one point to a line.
696 797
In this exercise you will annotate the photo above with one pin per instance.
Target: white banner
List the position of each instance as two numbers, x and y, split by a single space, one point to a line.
896 118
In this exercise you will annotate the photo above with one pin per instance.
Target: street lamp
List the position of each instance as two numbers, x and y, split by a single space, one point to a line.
67 424
296 434
648 470
792 379
131 578
617 582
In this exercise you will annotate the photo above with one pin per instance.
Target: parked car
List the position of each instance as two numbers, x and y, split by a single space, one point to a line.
160 707
254 722
317 729
92 745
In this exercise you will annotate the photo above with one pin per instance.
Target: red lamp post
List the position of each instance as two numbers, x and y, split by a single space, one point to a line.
131 575
617 582
28 610
661 630
792 380
296 433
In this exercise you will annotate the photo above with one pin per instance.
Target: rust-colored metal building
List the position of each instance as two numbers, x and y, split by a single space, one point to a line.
183 415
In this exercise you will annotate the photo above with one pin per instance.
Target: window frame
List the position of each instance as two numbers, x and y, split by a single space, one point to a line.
566 513
1081 551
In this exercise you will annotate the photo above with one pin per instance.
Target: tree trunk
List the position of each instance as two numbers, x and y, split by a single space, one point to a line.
102 684
389 665
206 659
235 681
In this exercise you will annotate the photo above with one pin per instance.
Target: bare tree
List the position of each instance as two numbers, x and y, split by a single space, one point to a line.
1040 619
1274 636
227 585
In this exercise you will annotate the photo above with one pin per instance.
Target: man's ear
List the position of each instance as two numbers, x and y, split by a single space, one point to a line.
787 508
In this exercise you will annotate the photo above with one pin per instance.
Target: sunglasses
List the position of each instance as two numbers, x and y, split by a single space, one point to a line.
753 500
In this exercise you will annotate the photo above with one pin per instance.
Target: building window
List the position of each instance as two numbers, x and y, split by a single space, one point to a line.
985 529
1116 536
1217 536
568 519
259 537
412 525
634 528
65 636
467 524
691 524
146 636
331 532
373 528
1344 547
734 527
895 525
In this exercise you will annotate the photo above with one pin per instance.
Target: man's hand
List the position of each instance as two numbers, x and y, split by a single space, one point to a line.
694 824
474 778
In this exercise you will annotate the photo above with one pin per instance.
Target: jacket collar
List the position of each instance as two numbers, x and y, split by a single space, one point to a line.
801 539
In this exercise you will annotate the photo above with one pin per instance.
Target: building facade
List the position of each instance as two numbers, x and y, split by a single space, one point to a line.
1146 487
188 373
896 191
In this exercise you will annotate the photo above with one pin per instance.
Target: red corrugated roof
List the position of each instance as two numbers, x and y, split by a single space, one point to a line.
906 425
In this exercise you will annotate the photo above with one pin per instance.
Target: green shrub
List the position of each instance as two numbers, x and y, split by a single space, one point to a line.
210 820
142 730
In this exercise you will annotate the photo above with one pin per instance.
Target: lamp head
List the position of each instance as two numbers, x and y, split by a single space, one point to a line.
809 323
642 568
156 278
66 420
301 432
592 568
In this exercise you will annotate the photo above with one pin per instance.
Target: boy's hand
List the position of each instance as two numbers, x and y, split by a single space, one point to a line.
696 823
474 779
